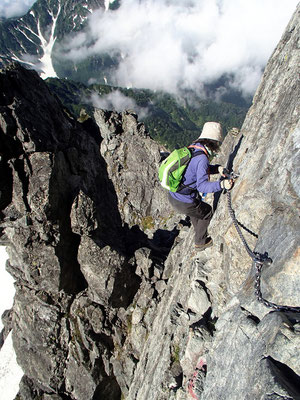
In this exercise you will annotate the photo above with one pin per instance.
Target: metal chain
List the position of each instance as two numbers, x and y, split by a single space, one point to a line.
235 223
259 261
247 229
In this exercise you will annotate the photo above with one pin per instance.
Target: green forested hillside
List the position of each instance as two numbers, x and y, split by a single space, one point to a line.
170 122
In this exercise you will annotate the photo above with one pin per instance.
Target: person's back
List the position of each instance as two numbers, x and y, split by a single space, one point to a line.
196 177
187 199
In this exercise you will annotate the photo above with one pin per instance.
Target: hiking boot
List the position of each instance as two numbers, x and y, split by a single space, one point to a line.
208 243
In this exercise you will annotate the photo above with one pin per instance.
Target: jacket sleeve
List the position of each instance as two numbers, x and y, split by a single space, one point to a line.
203 183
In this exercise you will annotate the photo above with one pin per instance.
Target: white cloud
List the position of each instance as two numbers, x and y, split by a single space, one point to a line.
14 8
173 45
117 101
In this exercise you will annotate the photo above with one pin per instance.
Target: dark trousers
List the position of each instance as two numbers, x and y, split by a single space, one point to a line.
200 214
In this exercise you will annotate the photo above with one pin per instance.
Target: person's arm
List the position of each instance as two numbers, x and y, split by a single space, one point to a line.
203 183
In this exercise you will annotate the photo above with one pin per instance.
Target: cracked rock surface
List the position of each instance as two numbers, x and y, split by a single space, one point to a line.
112 301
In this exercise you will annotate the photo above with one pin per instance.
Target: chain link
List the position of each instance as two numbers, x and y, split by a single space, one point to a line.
259 261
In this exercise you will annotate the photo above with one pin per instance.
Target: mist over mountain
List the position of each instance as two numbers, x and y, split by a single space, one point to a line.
48 36
14 8
171 122
217 49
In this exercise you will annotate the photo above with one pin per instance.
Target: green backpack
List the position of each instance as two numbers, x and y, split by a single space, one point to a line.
171 170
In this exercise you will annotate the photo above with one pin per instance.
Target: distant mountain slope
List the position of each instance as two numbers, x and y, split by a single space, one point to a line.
169 122
31 39
34 40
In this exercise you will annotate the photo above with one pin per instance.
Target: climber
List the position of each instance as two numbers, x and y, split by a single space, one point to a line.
188 199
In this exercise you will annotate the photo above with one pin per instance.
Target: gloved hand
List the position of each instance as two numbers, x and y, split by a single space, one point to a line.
227 184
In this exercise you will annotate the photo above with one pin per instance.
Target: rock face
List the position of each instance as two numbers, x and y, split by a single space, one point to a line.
76 236
107 304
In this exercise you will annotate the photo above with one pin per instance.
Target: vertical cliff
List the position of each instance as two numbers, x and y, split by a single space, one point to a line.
78 238
210 316
111 299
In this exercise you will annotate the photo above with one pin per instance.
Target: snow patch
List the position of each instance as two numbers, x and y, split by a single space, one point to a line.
107 3
7 290
15 58
90 10
23 33
10 372
47 46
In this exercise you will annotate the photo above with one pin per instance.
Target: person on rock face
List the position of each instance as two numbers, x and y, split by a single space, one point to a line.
188 199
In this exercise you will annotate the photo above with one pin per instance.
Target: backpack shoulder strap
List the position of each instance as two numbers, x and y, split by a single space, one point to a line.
198 147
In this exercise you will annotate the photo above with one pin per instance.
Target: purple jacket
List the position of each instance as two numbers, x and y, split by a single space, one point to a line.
196 176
